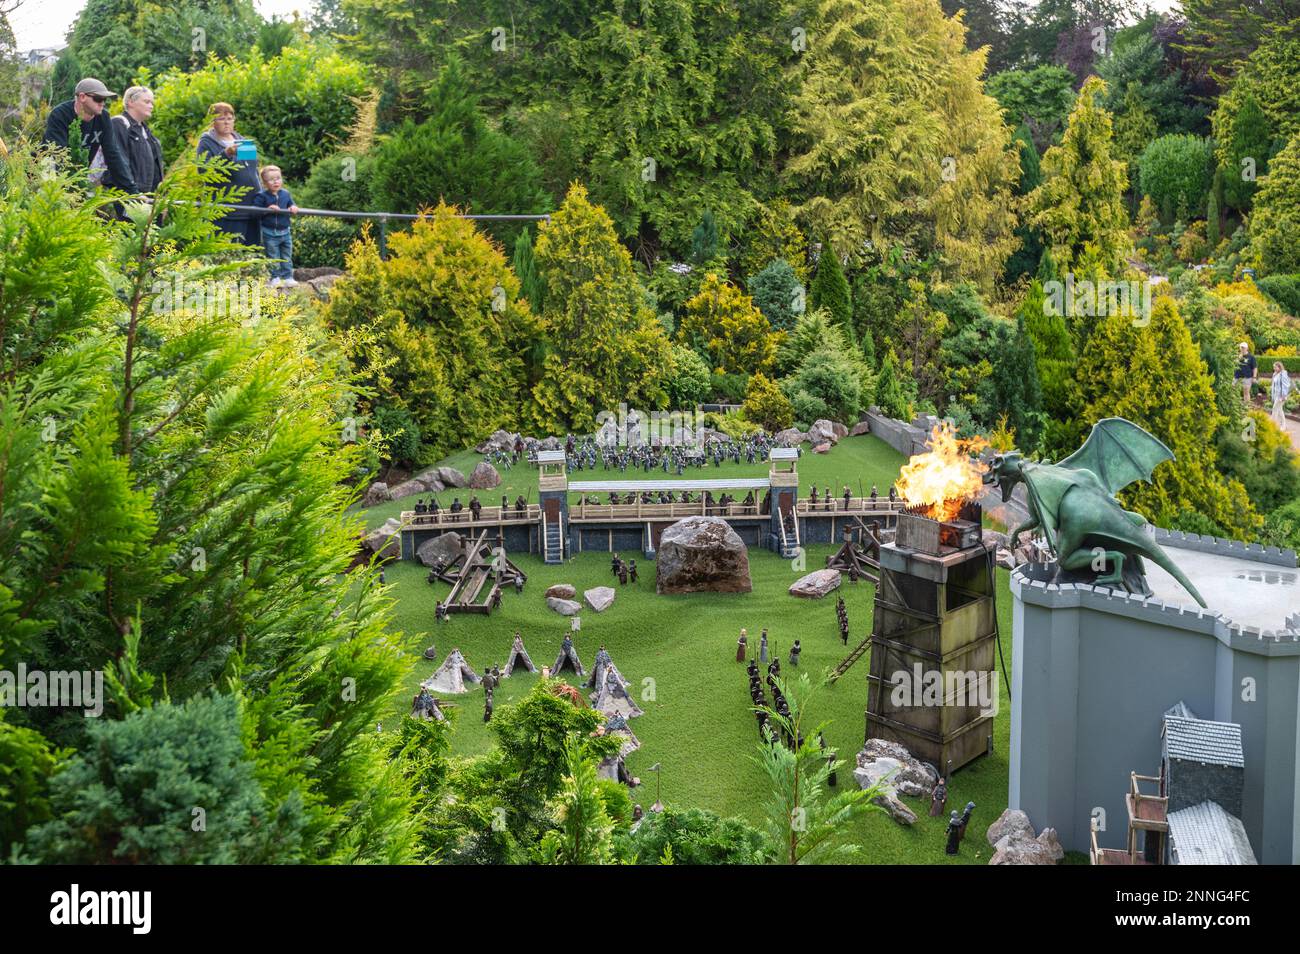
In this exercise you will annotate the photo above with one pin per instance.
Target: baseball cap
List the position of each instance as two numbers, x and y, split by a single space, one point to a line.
94 87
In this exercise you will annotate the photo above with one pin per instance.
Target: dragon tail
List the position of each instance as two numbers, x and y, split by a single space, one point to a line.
1158 556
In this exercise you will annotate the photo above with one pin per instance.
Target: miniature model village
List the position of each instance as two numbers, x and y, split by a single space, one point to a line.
681 589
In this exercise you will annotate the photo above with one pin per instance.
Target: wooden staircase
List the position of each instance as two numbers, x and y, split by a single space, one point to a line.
850 659
552 542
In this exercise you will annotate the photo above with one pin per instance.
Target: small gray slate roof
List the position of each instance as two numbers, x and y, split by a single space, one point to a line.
551 457
1206 834
784 453
1200 740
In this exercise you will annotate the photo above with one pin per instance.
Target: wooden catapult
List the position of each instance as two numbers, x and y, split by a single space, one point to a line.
859 557
476 576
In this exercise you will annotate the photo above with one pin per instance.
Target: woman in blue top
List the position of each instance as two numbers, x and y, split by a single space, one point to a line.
220 141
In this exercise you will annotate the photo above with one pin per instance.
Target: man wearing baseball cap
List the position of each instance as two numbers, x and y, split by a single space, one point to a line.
98 135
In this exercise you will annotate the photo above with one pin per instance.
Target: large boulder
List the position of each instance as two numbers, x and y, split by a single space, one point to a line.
500 440
839 430
823 432
600 598
439 551
816 584
430 479
376 493
791 437
451 477
484 476
860 428
822 448
911 776
407 488
564 591
563 607
1014 843
385 540
701 555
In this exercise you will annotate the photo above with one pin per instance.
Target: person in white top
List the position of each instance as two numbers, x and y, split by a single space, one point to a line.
1280 389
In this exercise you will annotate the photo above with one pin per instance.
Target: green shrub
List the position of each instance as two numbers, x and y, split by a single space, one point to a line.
298 106
778 294
1176 170
401 431
320 242
340 182
1283 289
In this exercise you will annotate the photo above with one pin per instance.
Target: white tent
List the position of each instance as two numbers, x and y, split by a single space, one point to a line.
568 657
452 675
611 696
518 655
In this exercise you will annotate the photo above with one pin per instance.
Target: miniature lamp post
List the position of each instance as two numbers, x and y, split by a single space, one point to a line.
658 806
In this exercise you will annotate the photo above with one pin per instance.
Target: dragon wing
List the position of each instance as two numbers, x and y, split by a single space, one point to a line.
1119 452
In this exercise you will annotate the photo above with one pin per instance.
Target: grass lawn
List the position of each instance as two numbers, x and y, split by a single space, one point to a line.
679 654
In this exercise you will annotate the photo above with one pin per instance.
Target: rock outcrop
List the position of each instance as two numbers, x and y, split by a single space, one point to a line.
1014 843
600 598
701 555
816 584
484 476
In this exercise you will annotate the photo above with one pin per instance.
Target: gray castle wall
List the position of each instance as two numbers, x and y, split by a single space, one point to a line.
1094 671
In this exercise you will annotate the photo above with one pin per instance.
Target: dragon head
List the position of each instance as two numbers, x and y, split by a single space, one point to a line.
1005 470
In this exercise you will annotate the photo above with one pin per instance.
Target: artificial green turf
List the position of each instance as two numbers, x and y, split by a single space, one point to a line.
681 649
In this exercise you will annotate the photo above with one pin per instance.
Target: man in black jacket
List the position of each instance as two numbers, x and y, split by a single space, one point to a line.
143 150
97 132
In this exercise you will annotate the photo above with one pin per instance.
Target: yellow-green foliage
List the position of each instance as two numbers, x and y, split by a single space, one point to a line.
772 234
447 317
766 405
1080 206
1276 220
895 140
722 324
607 346
1154 376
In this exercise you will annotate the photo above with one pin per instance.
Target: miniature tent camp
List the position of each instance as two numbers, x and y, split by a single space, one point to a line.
518 655
611 697
568 658
452 675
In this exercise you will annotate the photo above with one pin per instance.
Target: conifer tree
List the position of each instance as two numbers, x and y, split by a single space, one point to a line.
1152 374
1275 222
891 396
830 290
1079 208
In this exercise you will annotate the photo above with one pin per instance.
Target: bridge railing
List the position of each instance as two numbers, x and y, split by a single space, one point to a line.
445 518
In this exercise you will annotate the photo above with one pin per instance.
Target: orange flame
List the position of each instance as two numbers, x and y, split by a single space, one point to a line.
945 476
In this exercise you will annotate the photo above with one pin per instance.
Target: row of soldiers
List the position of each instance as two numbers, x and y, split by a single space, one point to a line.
475 508
842 615
585 453
711 504
825 502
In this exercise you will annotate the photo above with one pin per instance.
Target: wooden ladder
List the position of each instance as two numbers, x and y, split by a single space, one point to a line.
850 659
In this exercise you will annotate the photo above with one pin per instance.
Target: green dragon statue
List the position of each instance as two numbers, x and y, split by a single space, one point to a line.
1073 503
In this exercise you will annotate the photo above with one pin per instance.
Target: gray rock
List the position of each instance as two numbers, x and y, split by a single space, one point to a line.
376 493
550 443
823 432
997 539
1047 838
912 777
441 549
860 428
600 598
563 607
500 440
451 477
484 476
385 540
564 591
839 430
821 448
701 555
1012 823
1022 853
882 772
791 437
429 477
407 488
816 584
320 287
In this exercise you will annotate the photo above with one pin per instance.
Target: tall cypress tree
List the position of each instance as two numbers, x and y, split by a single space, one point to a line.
525 266
830 290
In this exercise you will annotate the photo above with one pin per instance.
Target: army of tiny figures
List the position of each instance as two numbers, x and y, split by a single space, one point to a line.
584 453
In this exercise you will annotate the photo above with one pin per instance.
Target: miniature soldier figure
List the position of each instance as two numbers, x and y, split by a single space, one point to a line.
794 653
812 497
456 508
521 505
519 583
489 680
893 494
487 706
631 570
848 496
613 564
938 798
752 668
622 574
505 505
954 834
774 667
741 644
749 500
762 647
433 506
420 507
873 493
830 759
475 508
826 499
965 820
